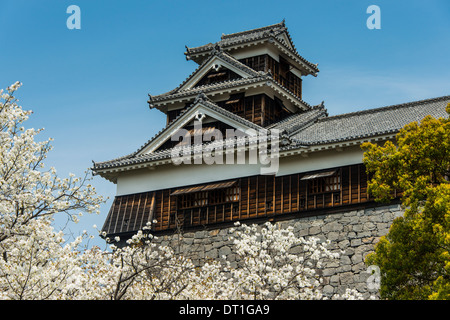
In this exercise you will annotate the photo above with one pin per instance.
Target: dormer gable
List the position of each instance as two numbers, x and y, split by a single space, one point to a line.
218 68
216 75
210 115
286 39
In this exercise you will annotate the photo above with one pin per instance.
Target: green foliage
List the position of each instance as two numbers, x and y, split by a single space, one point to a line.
414 256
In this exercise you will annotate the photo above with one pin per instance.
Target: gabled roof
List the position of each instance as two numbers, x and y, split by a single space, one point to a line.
215 55
201 104
277 34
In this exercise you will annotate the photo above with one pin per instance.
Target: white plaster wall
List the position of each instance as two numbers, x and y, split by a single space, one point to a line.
320 160
253 51
171 176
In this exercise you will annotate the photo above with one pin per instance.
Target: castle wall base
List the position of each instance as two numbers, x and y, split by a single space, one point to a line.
352 233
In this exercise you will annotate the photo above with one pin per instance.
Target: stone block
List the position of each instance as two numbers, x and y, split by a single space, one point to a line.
224 251
369 226
332 226
334 279
357 258
343 244
328 290
314 230
332 236
328 271
346 278
345 260
350 213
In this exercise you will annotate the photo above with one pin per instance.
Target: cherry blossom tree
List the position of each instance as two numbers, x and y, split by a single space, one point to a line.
27 191
34 263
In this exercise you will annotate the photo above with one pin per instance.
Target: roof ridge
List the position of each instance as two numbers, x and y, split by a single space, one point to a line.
238 63
291 123
226 84
99 163
241 33
314 66
227 58
250 79
206 86
380 109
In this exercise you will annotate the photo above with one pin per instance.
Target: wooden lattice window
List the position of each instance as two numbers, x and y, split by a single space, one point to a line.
223 195
216 196
257 63
323 182
191 200
235 104
212 194
232 194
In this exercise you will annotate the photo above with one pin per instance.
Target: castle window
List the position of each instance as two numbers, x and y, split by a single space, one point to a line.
191 200
323 182
204 195
235 104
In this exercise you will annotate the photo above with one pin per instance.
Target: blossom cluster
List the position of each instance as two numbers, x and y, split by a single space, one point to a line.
42 266
27 190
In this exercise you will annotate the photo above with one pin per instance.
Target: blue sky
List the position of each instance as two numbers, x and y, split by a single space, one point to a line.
88 88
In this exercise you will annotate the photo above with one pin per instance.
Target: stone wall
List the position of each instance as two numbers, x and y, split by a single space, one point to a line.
352 234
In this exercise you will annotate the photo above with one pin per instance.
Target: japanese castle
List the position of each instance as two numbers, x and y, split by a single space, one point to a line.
203 169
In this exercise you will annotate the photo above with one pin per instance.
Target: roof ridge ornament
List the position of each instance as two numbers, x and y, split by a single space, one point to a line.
200 97
150 100
216 49
187 52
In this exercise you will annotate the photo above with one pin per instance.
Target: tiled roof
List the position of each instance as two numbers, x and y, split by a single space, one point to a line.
371 122
243 36
208 88
253 77
299 121
134 158
259 78
314 127
264 33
